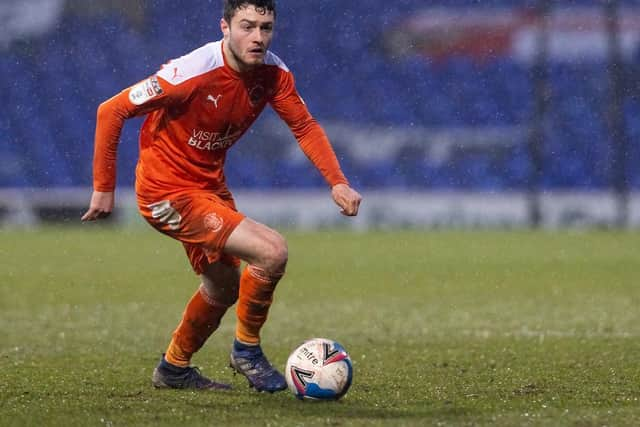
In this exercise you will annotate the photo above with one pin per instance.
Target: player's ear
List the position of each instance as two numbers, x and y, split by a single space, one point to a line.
224 27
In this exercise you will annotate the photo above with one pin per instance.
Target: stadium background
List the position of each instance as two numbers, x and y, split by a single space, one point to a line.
444 113
467 122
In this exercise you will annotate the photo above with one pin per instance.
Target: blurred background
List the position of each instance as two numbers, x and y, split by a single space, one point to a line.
459 113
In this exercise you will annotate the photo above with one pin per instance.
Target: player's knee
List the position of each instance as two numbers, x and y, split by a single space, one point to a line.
276 255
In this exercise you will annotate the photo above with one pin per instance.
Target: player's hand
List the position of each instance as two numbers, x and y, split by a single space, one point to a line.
100 207
347 198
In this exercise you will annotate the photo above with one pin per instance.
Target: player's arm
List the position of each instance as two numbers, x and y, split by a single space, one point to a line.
140 99
314 143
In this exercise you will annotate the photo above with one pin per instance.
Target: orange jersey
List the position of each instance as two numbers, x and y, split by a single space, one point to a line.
198 107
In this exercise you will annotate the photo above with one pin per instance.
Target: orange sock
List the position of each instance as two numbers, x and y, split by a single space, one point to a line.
256 295
199 320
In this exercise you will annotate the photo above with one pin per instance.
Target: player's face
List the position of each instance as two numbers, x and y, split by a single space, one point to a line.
248 36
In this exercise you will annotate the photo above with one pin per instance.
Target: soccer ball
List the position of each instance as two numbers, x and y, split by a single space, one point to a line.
319 369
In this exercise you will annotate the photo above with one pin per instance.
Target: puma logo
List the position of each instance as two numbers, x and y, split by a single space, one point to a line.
214 100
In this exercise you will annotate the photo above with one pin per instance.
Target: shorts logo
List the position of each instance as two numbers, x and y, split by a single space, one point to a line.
213 222
164 213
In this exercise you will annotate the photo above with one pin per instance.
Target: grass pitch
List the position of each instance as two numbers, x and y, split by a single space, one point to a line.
444 328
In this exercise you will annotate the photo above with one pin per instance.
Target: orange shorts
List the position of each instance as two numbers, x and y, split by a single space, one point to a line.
201 220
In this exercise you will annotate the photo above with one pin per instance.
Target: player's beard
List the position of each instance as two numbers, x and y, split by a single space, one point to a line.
239 60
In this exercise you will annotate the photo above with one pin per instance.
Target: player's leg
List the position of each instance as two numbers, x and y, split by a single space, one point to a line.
217 292
266 254
202 222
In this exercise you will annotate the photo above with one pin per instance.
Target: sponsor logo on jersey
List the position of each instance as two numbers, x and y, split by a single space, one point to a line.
145 91
211 141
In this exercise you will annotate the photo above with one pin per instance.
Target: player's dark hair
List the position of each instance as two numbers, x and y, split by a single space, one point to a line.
262 6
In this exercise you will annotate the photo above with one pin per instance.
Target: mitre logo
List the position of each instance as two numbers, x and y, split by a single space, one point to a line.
210 141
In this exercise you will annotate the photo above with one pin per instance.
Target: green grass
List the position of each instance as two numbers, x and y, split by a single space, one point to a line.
444 328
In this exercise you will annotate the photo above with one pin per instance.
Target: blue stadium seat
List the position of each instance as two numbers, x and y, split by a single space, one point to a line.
344 75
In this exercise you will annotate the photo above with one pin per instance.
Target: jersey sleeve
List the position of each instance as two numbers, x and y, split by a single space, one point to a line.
142 98
311 137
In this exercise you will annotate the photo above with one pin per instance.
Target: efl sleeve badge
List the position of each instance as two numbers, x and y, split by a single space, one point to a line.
145 91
